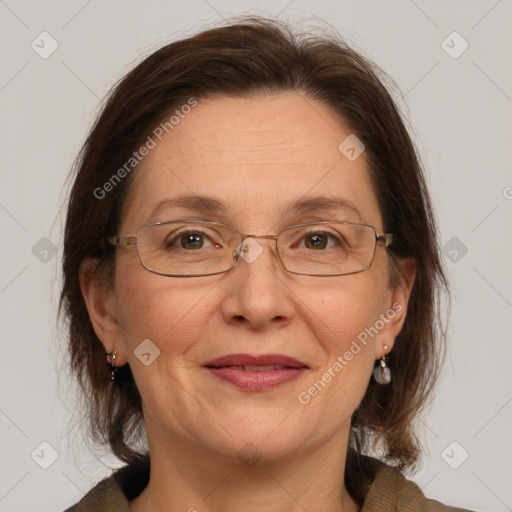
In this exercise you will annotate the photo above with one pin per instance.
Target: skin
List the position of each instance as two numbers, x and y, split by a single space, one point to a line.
258 155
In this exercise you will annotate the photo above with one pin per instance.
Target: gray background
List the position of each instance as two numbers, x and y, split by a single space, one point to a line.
459 110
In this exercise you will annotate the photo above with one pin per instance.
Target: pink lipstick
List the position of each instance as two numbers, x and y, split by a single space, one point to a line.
256 373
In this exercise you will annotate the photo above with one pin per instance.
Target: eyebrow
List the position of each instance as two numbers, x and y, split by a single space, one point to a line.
322 203
204 204
207 204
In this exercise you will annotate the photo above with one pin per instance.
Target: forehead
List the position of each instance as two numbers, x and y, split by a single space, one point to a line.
258 156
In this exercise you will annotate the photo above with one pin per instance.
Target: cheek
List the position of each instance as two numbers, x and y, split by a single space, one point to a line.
345 310
343 319
349 343
167 311
172 313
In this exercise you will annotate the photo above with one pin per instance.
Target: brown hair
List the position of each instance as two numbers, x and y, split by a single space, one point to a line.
248 57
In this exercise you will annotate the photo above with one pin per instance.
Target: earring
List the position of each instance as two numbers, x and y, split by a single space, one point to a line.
111 359
382 373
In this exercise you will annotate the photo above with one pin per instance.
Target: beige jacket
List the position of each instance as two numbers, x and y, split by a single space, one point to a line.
390 492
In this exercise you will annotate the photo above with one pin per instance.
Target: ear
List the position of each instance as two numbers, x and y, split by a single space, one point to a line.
396 306
100 302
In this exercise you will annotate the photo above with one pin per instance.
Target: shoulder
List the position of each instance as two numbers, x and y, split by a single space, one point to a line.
116 491
392 492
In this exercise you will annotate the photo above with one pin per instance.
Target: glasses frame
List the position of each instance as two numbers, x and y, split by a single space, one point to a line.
132 241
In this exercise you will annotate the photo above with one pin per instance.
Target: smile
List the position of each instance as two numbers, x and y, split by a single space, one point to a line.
256 378
256 372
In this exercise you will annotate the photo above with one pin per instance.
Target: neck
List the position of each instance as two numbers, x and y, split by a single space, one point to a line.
185 478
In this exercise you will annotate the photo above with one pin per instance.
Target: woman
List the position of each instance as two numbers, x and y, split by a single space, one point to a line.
251 279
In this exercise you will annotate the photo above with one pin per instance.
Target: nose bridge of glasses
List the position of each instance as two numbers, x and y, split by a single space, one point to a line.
249 249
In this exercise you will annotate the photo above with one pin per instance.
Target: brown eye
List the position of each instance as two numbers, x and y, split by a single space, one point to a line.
187 240
191 241
316 241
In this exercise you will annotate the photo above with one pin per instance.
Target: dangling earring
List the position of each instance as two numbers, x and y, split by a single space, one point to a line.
382 373
111 359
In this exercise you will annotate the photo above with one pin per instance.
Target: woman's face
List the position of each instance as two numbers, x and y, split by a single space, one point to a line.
258 157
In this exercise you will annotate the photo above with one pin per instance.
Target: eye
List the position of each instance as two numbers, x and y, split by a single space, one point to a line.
318 240
189 239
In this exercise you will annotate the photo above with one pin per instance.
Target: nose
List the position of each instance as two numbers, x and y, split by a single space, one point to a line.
256 290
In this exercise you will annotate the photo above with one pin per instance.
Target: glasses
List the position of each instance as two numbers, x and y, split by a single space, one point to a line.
189 248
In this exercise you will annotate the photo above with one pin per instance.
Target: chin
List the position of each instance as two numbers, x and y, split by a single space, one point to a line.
266 440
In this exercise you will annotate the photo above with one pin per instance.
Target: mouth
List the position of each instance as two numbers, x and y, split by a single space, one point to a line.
249 368
256 373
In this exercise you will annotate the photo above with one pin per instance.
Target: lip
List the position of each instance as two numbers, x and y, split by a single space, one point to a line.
262 360
230 369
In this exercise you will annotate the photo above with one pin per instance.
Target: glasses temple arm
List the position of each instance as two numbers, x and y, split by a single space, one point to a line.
387 239
125 240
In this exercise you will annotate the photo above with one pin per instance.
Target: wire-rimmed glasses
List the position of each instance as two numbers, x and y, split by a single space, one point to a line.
190 248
